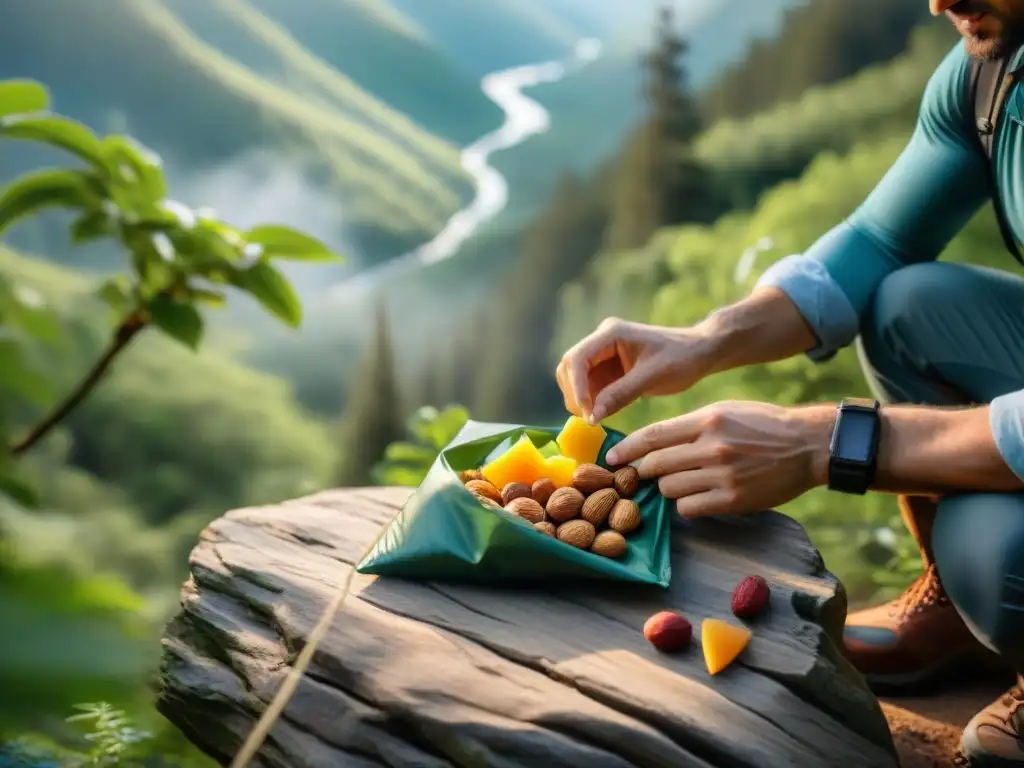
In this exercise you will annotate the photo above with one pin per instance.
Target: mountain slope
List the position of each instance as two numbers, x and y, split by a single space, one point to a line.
205 81
496 34
387 56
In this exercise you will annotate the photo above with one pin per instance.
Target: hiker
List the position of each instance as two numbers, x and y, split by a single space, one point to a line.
930 335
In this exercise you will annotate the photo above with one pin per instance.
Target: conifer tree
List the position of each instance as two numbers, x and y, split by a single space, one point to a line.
658 181
516 381
374 416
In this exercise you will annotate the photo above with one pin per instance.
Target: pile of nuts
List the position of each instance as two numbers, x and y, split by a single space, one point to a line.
595 513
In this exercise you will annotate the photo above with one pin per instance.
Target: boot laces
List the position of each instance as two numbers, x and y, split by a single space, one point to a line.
925 591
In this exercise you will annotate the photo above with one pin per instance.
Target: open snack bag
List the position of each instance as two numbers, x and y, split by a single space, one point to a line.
516 505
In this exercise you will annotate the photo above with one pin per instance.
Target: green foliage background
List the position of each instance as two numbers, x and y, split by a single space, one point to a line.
199 416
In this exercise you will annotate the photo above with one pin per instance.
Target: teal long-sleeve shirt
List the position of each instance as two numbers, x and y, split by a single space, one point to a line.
932 190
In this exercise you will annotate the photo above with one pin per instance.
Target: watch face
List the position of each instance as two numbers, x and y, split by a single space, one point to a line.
855 436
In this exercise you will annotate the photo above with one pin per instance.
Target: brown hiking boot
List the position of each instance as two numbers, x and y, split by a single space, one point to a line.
920 633
995 736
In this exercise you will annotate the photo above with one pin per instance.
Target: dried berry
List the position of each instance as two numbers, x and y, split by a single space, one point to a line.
668 631
750 597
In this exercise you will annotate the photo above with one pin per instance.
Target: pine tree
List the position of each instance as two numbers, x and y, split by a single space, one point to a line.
658 181
516 379
817 43
373 415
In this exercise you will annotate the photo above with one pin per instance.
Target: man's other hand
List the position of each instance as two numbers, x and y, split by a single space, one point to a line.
733 457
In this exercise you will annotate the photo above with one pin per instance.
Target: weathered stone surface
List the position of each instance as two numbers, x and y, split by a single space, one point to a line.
439 675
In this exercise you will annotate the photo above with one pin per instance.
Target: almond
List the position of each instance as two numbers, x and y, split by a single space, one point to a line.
627 482
609 544
526 508
489 503
484 488
548 529
542 490
578 533
564 504
624 517
470 474
515 491
589 478
598 505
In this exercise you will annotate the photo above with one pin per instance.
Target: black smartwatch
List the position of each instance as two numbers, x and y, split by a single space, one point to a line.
853 452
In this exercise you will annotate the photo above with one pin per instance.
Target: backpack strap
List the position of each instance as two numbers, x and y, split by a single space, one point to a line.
990 82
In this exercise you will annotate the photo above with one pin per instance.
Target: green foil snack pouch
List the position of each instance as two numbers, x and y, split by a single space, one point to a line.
444 534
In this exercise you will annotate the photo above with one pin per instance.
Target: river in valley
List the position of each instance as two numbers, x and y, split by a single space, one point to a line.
524 118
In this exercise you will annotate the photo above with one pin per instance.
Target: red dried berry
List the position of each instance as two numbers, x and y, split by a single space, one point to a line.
668 631
750 597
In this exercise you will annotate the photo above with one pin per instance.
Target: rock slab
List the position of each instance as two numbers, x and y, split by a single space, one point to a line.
439 675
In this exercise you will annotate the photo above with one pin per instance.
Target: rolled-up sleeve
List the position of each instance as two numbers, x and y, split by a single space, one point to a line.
932 190
818 298
1006 418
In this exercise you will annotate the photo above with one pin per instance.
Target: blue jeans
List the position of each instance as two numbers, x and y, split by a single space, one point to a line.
948 334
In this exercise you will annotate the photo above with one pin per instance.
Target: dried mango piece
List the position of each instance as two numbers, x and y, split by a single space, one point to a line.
559 470
522 463
581 441
722 643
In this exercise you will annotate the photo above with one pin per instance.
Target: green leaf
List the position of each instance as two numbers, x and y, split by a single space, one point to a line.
18 378
21 96
57 131
18 489
37 190
283 242
117 293
207 297
92 225
135 168
204 249
410 453
395 474
178 319
22 309
271 289
154 273
437 428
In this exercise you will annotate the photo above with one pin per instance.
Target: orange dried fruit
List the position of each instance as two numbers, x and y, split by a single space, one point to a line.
722 643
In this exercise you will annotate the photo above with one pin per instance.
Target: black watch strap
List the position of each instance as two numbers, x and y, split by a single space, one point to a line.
853 452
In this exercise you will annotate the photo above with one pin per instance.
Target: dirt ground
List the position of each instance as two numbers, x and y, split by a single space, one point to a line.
926 726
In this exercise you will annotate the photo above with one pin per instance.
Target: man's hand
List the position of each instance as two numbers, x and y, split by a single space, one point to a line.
733 457
622 361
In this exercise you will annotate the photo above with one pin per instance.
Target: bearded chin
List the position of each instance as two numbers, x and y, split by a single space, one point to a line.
993 47
987 48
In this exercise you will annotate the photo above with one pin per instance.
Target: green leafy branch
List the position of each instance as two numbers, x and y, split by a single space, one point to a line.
113 736
181 260
430 430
